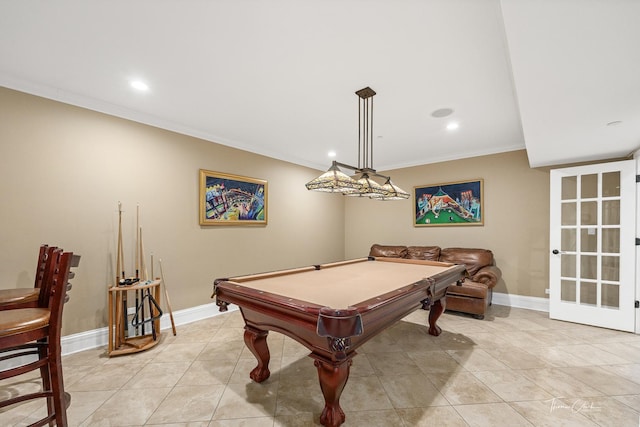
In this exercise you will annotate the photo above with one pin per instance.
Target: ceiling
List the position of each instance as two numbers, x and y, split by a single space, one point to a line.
279 77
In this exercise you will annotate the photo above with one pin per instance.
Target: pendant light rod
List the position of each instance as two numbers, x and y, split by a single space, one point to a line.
335 181
365 127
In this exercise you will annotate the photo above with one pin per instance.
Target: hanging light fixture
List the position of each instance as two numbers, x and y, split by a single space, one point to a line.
363 185
334 181
393 192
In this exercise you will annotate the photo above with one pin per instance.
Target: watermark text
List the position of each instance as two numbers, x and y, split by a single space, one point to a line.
575 405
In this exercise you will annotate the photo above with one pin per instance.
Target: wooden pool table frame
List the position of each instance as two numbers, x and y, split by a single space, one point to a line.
331 334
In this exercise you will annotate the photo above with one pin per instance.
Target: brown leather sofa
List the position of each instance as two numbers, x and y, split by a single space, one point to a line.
473 296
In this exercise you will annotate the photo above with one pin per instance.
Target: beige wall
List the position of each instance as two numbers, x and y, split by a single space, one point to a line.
63 170
516 217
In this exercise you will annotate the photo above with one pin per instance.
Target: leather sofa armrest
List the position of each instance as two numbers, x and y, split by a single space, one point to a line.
488 275
389 251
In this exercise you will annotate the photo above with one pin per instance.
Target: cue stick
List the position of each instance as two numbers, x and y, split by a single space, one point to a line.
120 327
166 297
137 257
138 241
143 268
118 272
144 273
153 322
119 246
143 265
125 300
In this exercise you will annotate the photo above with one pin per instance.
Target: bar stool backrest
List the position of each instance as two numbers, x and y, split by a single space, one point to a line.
58 286
42 262
51 266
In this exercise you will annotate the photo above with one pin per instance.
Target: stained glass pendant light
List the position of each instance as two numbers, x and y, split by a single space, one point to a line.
363 185
393 192
334 181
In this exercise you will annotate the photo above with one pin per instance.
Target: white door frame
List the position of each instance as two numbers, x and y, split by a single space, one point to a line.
625 317
636 157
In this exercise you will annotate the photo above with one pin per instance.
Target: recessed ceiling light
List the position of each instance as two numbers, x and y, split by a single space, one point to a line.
452 126
442 112
331 153
139 85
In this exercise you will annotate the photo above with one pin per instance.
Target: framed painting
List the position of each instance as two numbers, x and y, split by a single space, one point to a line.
227 199
451 203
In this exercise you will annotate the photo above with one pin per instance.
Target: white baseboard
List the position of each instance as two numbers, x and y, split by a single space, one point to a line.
520 301
100 337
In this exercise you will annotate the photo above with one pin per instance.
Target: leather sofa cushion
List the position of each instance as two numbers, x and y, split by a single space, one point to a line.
389 251
469 289
431 253
473 259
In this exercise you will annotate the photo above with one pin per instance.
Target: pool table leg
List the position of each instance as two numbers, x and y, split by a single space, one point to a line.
435 311
256 341
333 377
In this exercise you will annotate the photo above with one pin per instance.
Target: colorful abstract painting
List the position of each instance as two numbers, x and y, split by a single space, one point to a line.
227 199
452 203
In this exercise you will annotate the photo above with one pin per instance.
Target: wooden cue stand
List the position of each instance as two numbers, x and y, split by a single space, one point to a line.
119 343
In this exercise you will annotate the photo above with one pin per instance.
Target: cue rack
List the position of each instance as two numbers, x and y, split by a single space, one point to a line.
134 302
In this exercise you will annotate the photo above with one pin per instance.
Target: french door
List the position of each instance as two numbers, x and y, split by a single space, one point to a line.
592 241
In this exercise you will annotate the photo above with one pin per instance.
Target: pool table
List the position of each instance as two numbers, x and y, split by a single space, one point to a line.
332 309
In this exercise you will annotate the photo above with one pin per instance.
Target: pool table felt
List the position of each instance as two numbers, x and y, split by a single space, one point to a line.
343 284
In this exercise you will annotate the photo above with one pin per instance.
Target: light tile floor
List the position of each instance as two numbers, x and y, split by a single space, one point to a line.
514 368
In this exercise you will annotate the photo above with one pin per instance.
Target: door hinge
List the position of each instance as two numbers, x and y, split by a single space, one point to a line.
637 304
637 178
637 242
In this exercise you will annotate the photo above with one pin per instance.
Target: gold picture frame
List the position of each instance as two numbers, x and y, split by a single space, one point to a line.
227 199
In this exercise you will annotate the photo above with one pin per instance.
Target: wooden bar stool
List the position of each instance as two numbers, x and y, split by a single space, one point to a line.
26 297
37 331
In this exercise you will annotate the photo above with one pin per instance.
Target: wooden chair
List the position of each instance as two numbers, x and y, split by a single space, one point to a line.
27 297
37 331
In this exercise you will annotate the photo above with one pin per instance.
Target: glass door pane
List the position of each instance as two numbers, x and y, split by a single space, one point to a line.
569 187
589 186
568 214
568 240
568 290
611 184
